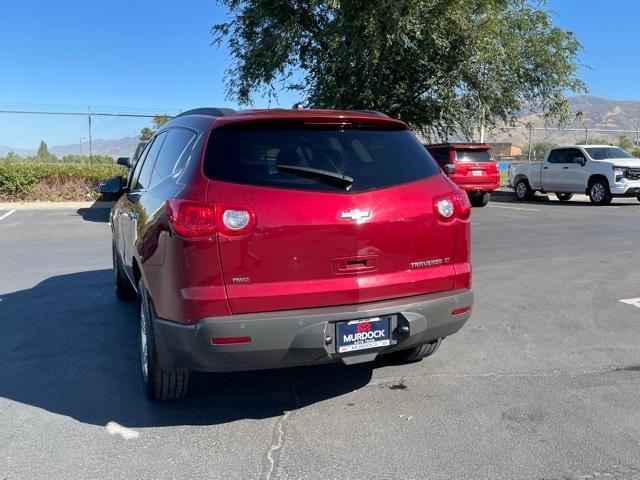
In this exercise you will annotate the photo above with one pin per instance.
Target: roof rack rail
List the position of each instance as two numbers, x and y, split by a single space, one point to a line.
210 111
373 112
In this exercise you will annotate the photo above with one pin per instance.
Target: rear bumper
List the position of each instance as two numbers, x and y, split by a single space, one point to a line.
304 337
479 187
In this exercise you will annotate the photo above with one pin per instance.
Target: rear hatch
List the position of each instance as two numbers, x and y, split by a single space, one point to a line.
475 166
319 240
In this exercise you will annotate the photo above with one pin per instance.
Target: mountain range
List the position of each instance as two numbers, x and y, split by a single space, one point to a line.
115 147
597 114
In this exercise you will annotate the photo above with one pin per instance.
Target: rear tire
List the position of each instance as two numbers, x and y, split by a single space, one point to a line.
523 191
638 198
599 192
158 384
124 289
417 353
480 200
564 197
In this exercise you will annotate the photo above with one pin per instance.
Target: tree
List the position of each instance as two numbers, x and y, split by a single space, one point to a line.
539 148
441 65
146 133
158 121
43 154
594 141
625 142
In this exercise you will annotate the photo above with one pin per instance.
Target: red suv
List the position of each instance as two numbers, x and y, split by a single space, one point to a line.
274 238
470 166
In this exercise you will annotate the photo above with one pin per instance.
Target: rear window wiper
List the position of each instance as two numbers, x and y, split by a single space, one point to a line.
335 178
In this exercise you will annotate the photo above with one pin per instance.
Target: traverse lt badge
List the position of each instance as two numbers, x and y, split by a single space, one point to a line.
355 214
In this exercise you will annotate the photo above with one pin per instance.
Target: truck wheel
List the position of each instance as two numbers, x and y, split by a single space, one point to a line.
415 354
158 384
523 191
564 197
124 289
599 193
638 198
480 200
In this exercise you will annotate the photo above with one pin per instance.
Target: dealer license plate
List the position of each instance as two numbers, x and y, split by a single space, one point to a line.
363 334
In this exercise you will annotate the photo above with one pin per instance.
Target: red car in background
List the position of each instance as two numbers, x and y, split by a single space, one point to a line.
470 166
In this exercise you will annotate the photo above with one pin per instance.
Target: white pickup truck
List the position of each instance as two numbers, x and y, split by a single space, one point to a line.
600 171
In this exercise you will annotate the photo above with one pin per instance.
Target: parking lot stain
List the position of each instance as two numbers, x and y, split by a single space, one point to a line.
631 368
398 386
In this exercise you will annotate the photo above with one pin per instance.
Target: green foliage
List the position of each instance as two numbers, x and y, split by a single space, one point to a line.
625 142
86 159
146 133
594 141
540 148
43 154
441 65
17 180
158 121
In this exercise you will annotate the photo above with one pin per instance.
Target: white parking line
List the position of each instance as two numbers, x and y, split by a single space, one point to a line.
515 208
631 301
7 214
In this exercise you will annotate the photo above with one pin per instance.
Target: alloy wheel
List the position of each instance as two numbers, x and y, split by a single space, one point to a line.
597 192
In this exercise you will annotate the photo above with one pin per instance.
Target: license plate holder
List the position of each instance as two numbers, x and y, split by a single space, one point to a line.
477 173
363 334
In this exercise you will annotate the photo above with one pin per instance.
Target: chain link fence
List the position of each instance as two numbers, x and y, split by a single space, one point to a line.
74 135
528 143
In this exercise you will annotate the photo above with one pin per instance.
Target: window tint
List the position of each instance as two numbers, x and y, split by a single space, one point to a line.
473 155
602 153
135 171
373 158
174 153
144 178
441 156
558 156
573 154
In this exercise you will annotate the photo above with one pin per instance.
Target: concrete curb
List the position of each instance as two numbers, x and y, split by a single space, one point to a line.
54 205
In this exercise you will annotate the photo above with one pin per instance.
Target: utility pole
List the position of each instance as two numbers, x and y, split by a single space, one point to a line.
530 141
90 136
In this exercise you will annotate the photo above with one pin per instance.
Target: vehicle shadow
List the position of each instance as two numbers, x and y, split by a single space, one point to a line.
551 200
68 346
98 212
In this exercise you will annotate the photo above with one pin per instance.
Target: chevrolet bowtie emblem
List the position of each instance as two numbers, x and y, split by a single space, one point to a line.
355 214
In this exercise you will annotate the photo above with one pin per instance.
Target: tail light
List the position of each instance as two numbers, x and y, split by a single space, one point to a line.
451 206
192 219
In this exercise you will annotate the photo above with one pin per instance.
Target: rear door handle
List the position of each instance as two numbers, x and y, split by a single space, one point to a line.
355 264
545 168
565 168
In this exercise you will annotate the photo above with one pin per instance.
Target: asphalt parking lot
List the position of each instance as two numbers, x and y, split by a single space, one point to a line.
542 383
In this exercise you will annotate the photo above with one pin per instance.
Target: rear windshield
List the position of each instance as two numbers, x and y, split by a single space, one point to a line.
473 156
372 158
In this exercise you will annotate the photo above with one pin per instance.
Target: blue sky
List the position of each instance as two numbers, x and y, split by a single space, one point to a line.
157 55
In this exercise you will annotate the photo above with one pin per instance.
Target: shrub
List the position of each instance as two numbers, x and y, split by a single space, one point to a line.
18 180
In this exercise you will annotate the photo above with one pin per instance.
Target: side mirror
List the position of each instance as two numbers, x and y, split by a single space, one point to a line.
111 186
449 168
124 161
580 160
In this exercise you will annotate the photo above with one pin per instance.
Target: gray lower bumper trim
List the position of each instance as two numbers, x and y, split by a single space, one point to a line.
300 337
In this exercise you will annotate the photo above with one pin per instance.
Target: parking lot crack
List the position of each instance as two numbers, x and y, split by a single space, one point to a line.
277 439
